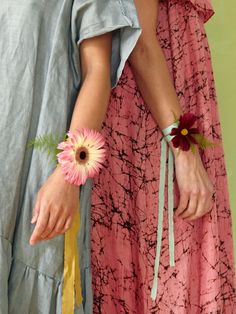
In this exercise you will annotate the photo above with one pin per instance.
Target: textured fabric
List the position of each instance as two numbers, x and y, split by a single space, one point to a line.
203 7
125 213
40 78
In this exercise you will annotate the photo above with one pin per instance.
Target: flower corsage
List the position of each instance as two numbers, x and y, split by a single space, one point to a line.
184 137
81 154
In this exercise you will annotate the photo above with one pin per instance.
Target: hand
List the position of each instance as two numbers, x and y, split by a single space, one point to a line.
55 207
194 184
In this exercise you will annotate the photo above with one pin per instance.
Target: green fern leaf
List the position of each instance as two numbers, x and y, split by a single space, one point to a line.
203 141
193 147
47 143
176 119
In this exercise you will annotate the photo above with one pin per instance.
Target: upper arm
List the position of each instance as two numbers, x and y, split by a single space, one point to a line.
95 54
148 44
91 19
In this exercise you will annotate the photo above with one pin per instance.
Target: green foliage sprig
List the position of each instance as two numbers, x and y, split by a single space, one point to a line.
48 144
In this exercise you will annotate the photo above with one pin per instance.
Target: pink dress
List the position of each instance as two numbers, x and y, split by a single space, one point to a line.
125 195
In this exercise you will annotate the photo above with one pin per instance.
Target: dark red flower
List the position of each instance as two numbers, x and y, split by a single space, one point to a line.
182 135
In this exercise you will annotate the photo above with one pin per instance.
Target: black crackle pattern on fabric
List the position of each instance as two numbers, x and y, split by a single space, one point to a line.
125 194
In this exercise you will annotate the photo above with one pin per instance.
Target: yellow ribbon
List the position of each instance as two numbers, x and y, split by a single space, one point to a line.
71 284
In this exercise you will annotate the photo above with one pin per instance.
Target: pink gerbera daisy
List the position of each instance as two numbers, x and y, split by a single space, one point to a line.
82 155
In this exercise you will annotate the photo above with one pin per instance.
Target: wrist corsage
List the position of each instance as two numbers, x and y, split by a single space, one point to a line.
81 154
183 136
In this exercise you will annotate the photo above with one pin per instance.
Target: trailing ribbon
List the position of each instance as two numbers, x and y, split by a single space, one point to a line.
161 202
71 284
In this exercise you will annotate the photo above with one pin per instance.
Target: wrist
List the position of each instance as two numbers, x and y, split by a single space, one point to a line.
175 151
60 175
183 138
181 155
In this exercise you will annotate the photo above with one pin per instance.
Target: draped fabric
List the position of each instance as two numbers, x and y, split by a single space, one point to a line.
125 195
204 7
39 82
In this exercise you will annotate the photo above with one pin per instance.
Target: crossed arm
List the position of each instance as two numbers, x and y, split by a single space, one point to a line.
57 200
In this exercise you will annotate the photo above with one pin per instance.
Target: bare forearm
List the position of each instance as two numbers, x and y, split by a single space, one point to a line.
92 101
153 79
150 68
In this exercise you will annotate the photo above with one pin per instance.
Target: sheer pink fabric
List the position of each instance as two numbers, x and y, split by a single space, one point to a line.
125 195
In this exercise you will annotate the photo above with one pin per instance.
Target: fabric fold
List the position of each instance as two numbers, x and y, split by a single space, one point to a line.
5 265
204 7
32 291
47 81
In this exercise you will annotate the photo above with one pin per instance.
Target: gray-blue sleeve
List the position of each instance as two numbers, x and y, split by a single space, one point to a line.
96 17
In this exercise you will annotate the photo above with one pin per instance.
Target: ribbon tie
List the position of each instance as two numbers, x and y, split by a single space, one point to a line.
71 283
166 138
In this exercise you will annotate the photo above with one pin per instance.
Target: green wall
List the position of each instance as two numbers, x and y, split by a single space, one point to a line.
221 30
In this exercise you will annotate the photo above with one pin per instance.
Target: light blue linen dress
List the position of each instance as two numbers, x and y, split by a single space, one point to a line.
39 81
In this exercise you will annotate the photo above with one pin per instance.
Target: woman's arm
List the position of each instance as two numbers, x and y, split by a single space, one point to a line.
152 75
93 98
150 68
57 200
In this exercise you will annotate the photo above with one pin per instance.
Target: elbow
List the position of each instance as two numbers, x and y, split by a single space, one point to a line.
145 51
96 67
97 71
95 58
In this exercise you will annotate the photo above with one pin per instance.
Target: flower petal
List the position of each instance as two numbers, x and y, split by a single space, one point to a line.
184 143
176 141
174 131
194 131
186 120
77 172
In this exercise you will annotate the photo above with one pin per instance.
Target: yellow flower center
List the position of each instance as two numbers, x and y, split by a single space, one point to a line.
82 155
184 131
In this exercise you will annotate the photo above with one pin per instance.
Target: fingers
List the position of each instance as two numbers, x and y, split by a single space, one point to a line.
204 206
183 202
41 225
51 224
199 204
56 202
193 202
60 229
68 224
57 229
35 213
195 186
